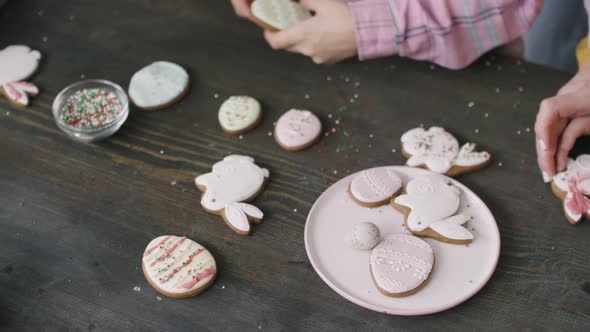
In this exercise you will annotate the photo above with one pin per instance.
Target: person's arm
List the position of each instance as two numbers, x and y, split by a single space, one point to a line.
451 33
561 120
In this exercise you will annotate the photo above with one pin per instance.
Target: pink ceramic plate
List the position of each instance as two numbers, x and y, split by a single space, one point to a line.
460 271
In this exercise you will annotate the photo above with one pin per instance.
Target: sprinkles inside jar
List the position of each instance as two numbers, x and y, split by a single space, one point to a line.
91 108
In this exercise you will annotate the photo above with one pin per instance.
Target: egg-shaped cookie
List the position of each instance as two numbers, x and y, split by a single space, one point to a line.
401 265
158 85
239 114
297 130
178 267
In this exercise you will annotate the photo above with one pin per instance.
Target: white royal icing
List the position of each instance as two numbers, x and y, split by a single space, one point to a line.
17 63
401 263
238 113
375 185
234 179
178 265
158 84
439 150
579 167
280 14
434 201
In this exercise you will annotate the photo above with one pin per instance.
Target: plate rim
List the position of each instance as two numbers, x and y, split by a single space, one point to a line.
401 312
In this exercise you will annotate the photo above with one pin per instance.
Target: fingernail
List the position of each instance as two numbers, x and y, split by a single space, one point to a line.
541 145
546 177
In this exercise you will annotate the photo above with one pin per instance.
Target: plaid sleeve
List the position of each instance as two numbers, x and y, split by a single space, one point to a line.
451 33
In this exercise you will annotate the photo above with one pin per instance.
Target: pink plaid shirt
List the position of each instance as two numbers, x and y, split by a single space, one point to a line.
451 33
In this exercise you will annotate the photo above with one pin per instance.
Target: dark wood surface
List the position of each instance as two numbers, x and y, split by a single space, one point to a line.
75 218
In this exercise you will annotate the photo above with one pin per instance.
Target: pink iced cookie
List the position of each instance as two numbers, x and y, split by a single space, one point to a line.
375 187
297 130
17 63
401 265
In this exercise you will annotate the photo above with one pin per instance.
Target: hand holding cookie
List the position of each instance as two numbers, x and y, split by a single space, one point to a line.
561 120
326 37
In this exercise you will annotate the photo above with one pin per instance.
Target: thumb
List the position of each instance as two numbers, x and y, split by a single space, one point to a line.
313 5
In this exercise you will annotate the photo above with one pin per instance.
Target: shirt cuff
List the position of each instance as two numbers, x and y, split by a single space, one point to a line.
374 27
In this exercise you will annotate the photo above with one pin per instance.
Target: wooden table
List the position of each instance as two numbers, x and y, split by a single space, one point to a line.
75 218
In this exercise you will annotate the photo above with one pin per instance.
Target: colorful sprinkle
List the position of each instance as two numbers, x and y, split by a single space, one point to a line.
91 108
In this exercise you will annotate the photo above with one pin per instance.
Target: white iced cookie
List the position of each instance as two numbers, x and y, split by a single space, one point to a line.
572 186
239 114
277 14
401 265
178 267
438 151
158 85
374 187
234 180
18 63
363 236
430 206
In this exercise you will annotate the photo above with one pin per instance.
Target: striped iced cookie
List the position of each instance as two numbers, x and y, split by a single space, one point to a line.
178 267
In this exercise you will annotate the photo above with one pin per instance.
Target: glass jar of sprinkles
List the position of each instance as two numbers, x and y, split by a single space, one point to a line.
91 110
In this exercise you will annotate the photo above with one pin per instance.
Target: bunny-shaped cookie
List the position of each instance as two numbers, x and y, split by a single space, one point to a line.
17 63
233 180
430 206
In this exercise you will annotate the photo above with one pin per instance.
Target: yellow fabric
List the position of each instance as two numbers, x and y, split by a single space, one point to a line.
582 52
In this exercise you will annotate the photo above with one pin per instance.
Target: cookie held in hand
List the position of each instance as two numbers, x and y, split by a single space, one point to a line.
429 206
572 186
277 15
437 150
158 85
18 63
178 267
401 265
234 180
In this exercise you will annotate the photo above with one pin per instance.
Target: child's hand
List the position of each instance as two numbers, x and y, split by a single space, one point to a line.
327 37
561 121
242 7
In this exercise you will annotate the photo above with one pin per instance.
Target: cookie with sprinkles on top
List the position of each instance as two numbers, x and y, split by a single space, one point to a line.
178 267
158 85
437 150
239 114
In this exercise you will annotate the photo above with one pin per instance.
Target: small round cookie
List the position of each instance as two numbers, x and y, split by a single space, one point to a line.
401 265
158 85
375 187
297 130
178 267
277 15
239 114
363 236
